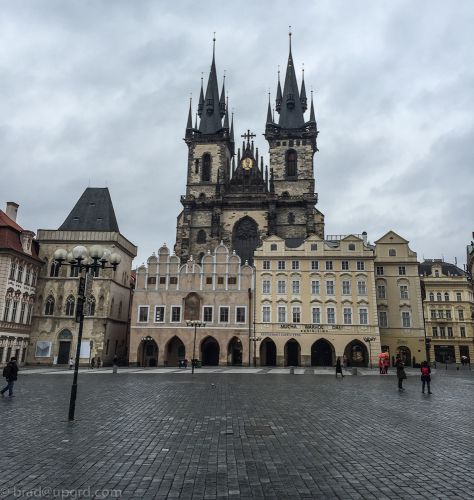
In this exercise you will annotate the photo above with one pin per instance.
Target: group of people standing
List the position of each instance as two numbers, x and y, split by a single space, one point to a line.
384 364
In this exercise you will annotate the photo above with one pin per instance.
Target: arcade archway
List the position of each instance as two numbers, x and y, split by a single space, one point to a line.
175 351
357 354
292 353
234 352
210 351
147 352
322 353
268 353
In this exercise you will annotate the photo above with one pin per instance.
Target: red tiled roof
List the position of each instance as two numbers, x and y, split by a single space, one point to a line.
5 221
10 233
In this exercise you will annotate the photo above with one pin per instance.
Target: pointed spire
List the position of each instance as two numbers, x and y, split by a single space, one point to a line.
201 98
303 99
196 122
232 128
222 106
312 118
189 124
269 111
279 95
226 118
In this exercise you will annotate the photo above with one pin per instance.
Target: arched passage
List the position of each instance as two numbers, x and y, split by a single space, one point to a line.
268 353
234 352
64 349
322 353
175 351
356 353
210 351
292 353
405 355
147 352
245 238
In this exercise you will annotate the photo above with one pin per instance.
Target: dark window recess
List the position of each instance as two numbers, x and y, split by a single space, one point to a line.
206 168
152 280
201 236
291 163
232 280
173 280
273 247
314 247
196 166
163 280
220 280
209 280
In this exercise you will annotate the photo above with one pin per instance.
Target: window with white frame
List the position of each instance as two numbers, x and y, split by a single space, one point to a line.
296 314
223 314
438 297
450 331
208 314
240 314
363 316
281 286
12 271
281 314
404 291
159 314
442 331
360 265
446 296
329 265
433 314
361 287
315 287
459 296
296 286
406 319
316 315
381 293
383 320
143 314
22 313
331 315
266 314
347 316
434 331
402 271
295 265
461 315
14 310
392 252
314 265
463 331
19 275
6 311
346 287
330 287
266 265
448 314
345 265
379 270
281 265
175 314
266 286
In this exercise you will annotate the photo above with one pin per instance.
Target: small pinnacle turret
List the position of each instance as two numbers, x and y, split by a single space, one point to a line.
303 99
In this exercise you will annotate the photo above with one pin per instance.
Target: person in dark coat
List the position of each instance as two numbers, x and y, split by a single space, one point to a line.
401 375
339 367
10 372
425 377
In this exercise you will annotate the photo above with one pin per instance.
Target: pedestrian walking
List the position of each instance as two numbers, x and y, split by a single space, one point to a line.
339 367
99 362
386 364
401 375
10 372
71 363
93 363
425 377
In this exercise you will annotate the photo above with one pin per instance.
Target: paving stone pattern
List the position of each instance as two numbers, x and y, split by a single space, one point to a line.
239 436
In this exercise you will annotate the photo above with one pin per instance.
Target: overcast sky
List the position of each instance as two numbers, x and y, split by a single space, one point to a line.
96 93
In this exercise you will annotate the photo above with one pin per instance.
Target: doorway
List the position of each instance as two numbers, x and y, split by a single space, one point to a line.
322 353
268 355
210 352
234 354
292 353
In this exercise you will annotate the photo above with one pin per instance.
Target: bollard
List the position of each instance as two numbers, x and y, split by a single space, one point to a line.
115 369
292 370
354 370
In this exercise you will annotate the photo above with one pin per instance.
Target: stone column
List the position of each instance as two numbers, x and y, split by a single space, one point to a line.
5 350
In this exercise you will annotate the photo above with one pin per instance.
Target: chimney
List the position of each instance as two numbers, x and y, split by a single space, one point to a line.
12 210
364 237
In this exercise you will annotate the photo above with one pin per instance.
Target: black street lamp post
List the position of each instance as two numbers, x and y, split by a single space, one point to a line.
89 261
369 340
197 324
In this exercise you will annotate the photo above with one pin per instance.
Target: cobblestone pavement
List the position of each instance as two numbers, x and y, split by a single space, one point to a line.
164 435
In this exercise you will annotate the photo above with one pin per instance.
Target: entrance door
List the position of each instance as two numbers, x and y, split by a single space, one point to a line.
63 353
292 349
321 353
210 352
235 352
268 355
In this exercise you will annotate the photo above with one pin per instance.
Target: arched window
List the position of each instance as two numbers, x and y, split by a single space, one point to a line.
54 270
12 271
6 311
438 297
446 296
432 297
201 236
49 307
291 163
206 168
70 303
91 306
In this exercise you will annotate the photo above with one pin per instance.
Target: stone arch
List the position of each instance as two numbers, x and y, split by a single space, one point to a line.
147 352
322 353
268 353
210 351
64 347
356 353
405 354
245 238
174 351
292 353
234 352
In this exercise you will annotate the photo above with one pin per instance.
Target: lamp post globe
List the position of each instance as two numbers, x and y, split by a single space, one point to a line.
80 253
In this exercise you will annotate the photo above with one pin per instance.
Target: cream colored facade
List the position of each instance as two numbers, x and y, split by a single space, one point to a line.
316 302
167 294
54 331
399 300
448 308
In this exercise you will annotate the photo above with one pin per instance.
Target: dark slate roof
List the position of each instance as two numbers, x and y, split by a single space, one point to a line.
291 114
425 268
93 212
211 119
294 242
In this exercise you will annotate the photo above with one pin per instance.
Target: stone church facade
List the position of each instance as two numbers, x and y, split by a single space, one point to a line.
232 197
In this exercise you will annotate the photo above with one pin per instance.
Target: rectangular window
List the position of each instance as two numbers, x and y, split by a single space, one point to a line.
433 313
363 316
360 265
12 272
463 331
361 288
448 314
402 270
29 314
208 280
266 286
346 287
295 265
383 320
316 315
296 287
74 273
314 265
458 296
150 281
406 320
329 265
442 331
14 308
331 315
173 280
22 312
315 288
175 314
240 314
450 331
232 280
381 294
434 331
207 314
266 265
296 314
266 314
345 265
281 286
162 280
441 314
281 314
159 314
223 314
20 274
379 270
281 265
461 315
330 287
404 291
347 316
220 280
143 314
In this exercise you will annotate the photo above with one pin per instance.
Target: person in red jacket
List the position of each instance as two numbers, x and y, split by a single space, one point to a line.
425 376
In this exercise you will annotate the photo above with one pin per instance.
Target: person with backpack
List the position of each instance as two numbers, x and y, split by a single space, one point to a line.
401 375
10 372
425 377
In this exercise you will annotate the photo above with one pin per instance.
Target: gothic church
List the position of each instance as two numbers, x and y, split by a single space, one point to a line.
234 198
